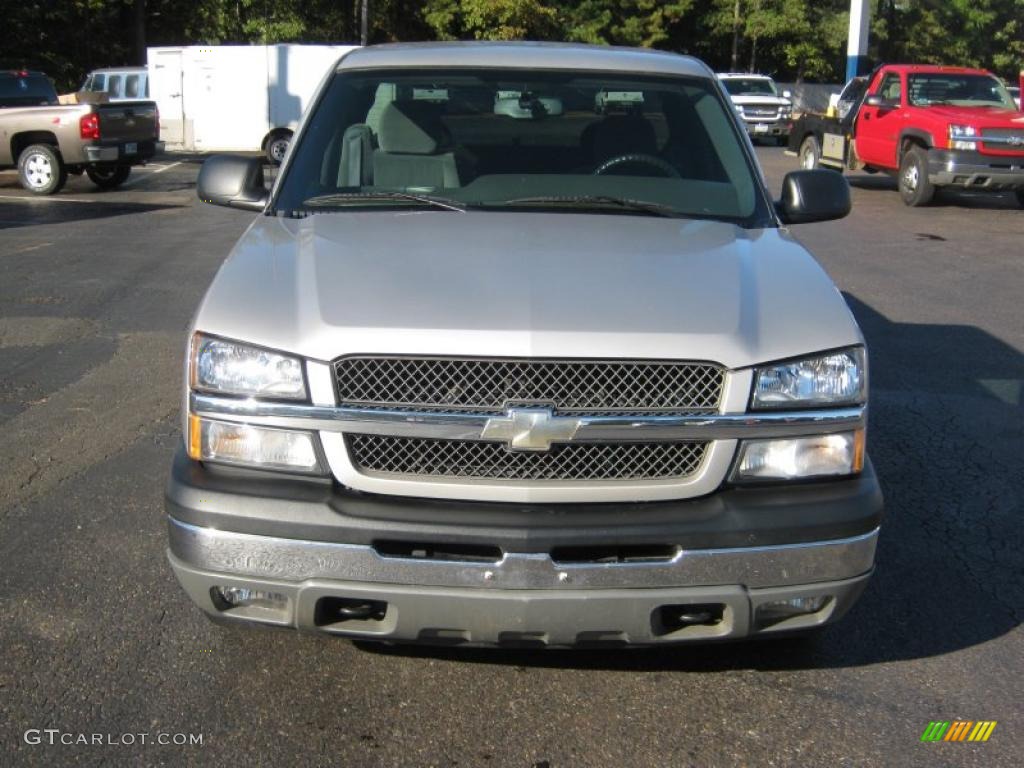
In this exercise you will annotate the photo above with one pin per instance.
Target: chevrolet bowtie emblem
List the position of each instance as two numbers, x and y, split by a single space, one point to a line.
530 429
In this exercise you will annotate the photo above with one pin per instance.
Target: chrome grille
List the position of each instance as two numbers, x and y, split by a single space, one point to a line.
1011 139
423 457
761 111
492 385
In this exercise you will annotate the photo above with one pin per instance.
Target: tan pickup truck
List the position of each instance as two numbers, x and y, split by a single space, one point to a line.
46 141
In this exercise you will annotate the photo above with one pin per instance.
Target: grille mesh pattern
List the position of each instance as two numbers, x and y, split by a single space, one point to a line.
567 461
490 386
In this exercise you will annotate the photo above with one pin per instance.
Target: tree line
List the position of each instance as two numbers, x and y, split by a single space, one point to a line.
794 40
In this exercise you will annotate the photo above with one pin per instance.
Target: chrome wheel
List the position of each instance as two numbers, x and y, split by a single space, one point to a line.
810 153
277 149
38 170
911 178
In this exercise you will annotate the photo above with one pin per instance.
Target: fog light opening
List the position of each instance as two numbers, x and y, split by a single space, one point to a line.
226 598
781 610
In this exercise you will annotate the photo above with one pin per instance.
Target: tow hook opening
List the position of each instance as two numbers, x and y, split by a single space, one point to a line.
673 618
335 610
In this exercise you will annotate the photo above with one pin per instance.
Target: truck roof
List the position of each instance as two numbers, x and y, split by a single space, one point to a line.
523 55
935 68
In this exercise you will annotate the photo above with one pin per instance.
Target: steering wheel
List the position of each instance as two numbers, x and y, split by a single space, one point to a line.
640 158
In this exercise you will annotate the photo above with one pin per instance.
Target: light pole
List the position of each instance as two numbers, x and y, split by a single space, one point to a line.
857 47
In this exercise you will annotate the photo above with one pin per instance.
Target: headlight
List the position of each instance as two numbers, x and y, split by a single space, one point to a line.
963 137
838 378
237 369
801 458
247 445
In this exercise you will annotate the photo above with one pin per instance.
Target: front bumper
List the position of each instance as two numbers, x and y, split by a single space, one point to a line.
947 167
313 543
768 128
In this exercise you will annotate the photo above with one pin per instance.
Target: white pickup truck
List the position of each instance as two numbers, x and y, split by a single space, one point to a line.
535 376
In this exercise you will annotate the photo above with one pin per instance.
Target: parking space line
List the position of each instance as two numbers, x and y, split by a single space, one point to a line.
34 199
151 173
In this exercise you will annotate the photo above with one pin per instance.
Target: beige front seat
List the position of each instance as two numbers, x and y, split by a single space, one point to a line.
408 138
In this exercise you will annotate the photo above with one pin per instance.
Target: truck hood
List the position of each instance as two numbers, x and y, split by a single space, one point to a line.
979 117
761 99
524 285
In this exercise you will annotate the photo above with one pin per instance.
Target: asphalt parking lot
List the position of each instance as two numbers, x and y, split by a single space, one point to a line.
96 292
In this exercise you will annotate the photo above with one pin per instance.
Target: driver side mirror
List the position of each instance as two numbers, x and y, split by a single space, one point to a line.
787 94
233 181
877 101
817 195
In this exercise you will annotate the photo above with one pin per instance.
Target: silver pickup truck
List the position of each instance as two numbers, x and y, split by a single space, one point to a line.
46 140
492 366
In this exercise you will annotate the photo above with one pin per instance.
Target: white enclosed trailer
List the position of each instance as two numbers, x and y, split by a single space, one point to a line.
236 97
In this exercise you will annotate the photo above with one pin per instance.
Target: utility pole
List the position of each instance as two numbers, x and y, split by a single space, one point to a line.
857 47
364 22
735 38
139 29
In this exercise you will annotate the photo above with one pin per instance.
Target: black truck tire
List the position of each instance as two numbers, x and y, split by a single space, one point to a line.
109 177
810 153
1020 197
41 170
915 188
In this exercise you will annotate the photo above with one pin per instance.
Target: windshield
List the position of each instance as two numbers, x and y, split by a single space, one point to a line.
958 90
516 139
749 86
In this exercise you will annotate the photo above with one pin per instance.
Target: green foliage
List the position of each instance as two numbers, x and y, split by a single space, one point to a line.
492 19
792 39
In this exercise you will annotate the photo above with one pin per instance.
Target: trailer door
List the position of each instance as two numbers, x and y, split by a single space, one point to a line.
165 85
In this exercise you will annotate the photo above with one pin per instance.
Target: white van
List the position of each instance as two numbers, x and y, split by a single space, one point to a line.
119 83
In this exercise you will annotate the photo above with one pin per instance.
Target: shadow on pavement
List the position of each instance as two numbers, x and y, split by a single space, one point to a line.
946 432
948 196
19 212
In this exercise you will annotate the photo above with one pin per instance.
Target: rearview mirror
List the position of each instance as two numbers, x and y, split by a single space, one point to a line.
817 195
233 181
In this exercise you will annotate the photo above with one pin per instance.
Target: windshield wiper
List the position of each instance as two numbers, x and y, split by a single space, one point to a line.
594 201
348 198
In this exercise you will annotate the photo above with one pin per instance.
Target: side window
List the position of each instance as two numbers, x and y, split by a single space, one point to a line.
114 86
891 88
131 87
97 83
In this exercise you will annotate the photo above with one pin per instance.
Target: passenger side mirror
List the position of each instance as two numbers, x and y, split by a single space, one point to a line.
233 181
817 195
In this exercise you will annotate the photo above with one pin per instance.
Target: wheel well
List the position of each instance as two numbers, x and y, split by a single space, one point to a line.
907 142
805 136
20 141
274 134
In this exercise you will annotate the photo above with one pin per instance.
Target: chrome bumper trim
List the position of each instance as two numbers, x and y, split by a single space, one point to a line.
455 426
265 557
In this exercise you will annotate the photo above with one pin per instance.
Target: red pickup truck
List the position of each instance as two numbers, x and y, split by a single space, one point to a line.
930 126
